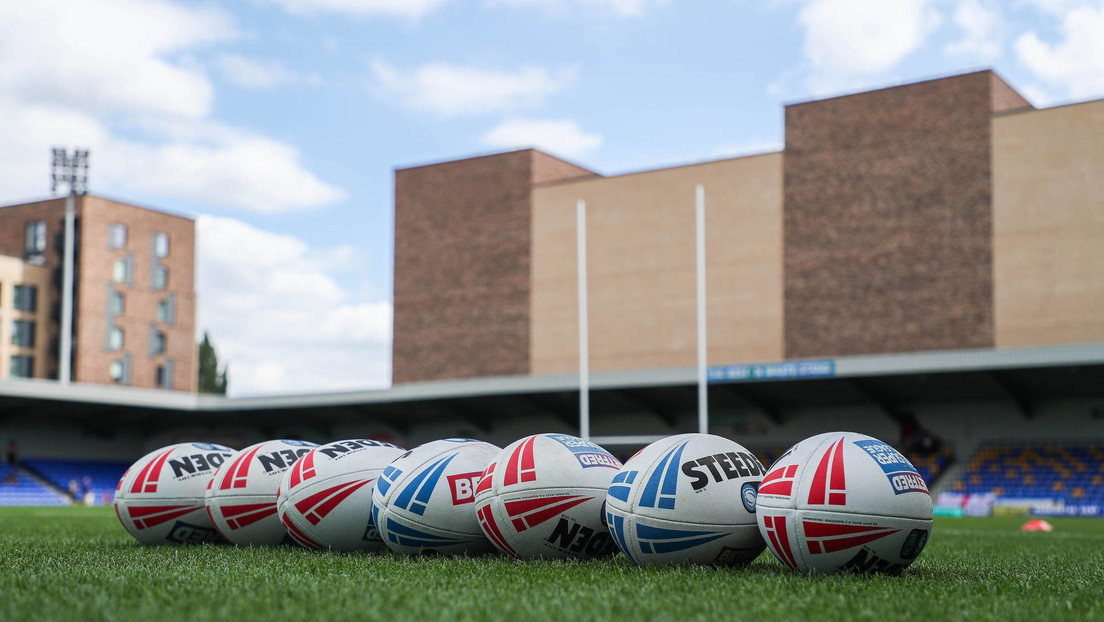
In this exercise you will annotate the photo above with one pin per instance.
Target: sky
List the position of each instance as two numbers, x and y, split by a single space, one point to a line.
278 124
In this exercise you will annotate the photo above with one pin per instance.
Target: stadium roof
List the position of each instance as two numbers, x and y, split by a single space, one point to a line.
1021 376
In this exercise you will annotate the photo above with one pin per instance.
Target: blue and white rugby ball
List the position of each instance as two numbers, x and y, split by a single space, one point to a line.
687 499
425 500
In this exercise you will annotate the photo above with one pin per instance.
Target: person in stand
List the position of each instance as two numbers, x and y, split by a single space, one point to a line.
13 452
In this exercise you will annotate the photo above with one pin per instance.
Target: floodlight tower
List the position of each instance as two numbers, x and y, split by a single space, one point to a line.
72 171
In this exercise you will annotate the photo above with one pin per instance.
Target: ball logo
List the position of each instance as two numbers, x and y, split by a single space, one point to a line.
317 506
302 470
659 492
903 477
723 466
779 482
148 516
485 480
831 537
415 496
778 534
571 536
914 543
243 515
587 453
529 513
748 495
463 486
490 527
237 475
654 539
148 476
522 466
829 483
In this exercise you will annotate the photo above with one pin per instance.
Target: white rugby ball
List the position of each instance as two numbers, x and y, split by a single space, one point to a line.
844 502
687 499
544 496
325 499
241 497
425 500
159 500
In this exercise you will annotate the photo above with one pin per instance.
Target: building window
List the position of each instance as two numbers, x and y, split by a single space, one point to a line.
115 338
22 366
161 244
117 302
120 270
119 370
36 236
165 375
116 235
157 341
23 333
160 277
26 298
116 371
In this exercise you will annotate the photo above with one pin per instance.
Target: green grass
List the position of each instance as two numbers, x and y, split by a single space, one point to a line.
79 564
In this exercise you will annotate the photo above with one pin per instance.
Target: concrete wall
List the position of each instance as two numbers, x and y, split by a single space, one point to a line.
641 267
888 231
14 271
1048 225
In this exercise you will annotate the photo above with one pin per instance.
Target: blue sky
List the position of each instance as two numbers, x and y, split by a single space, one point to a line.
278 123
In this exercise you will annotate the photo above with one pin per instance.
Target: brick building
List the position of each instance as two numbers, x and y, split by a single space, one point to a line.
946 214
134 297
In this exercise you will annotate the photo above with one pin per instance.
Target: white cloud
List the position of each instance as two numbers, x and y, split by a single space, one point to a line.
1076 62
451 90
559 137
255 74
277 315
412 9
1057 8
850 39
108 55
627 8
75 72
980 25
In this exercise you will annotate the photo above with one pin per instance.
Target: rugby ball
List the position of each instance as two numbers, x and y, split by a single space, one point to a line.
325 499
844 502
544 496
425 500
160 499
241 497
687 499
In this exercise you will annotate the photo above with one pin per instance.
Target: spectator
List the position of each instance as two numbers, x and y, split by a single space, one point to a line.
13 452
89 494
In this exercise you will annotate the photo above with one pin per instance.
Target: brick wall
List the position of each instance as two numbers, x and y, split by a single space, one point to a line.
462 265
141 299
887 220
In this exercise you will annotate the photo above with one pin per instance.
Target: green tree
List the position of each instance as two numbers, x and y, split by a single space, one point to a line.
211 380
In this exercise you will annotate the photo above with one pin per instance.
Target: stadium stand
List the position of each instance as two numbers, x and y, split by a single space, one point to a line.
68 474
17 488
1072 474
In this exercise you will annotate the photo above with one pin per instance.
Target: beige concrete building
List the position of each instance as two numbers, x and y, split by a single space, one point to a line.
24 318
942 215
134 294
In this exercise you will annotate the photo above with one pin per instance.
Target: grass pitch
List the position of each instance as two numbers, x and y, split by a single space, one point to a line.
79 564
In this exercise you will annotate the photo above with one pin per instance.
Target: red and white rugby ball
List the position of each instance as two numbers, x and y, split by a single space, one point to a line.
425 500
325 499
241 498
687 499
160 499
844 502
544 496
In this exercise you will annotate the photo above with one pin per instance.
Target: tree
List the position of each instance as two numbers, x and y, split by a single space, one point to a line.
211 380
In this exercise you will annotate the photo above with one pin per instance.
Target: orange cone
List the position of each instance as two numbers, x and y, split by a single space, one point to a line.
1037 524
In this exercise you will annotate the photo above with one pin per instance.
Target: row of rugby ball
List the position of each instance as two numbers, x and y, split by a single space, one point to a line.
833 502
